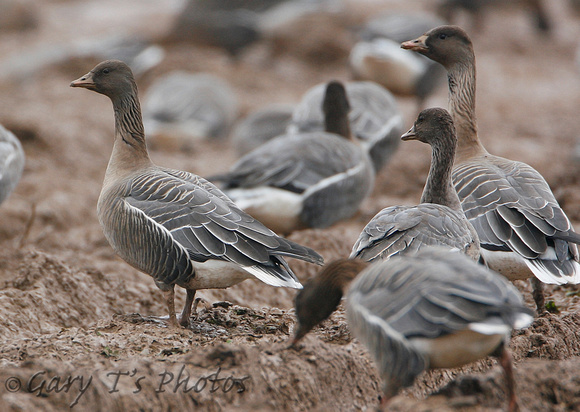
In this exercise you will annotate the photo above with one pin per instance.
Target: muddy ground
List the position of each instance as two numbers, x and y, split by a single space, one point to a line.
75 321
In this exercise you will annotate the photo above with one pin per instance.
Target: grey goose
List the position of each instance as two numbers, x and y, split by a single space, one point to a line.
304 180
438 219
521 227
12 160
377 56
375 118
424 310
174 225
180 107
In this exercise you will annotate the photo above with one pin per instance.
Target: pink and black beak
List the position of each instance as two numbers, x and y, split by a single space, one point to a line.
85 81
417 45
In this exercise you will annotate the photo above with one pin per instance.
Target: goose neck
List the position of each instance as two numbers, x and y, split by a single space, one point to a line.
439 187
462 85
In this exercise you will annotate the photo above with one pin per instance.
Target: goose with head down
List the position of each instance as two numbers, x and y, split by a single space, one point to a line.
438 219
522 229
174 225
424 310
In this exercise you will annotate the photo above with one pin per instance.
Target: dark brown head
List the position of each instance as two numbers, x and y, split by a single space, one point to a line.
447 45
113 78
432 125
322 294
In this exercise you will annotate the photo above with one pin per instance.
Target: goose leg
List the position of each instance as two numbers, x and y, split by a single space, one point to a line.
170 301
505 360
538 294
187 308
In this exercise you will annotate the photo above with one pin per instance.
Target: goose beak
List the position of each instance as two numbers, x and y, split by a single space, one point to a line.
410 134
86 81
417 45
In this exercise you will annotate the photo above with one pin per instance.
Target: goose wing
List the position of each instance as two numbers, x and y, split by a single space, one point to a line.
513 209
200 218
293 162
404 229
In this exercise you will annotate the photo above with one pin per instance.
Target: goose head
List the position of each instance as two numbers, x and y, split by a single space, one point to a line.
447 45
433 124
336 107
322 294
113 78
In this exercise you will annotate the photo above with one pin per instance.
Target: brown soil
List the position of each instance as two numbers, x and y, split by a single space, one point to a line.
70 309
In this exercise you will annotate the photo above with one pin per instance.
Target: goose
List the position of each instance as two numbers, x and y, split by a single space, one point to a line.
173 225
12 160
522 229
184 106
374 117
438 219
304 180
377 56
424 310
261 126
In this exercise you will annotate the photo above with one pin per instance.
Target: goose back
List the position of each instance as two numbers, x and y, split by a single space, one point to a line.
374 118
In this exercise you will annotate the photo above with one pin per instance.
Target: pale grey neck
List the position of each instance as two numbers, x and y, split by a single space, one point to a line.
462 99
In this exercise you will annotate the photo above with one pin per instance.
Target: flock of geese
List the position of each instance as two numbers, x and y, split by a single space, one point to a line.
420 283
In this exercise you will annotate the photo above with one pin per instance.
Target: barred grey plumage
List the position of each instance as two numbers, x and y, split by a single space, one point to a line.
173 225
12 160
374 117
304 180
432 309
522 229
438 219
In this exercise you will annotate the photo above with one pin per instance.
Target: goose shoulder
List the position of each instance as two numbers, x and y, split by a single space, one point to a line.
12 160
374 117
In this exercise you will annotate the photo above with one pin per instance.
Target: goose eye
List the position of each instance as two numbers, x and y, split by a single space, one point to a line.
442 36
106 71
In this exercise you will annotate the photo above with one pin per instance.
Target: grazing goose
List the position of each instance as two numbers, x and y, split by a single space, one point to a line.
11 162
173 225
260 127
186 106
521 227
430 309
304 180
374 117
377 56
438 219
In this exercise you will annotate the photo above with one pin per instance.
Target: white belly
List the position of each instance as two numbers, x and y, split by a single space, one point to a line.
457 349
217 274
509 264
278 209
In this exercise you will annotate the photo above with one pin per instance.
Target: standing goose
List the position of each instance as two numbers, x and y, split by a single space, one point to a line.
375 118
521 227
174 225
307 179
11 162
438 219
431 309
